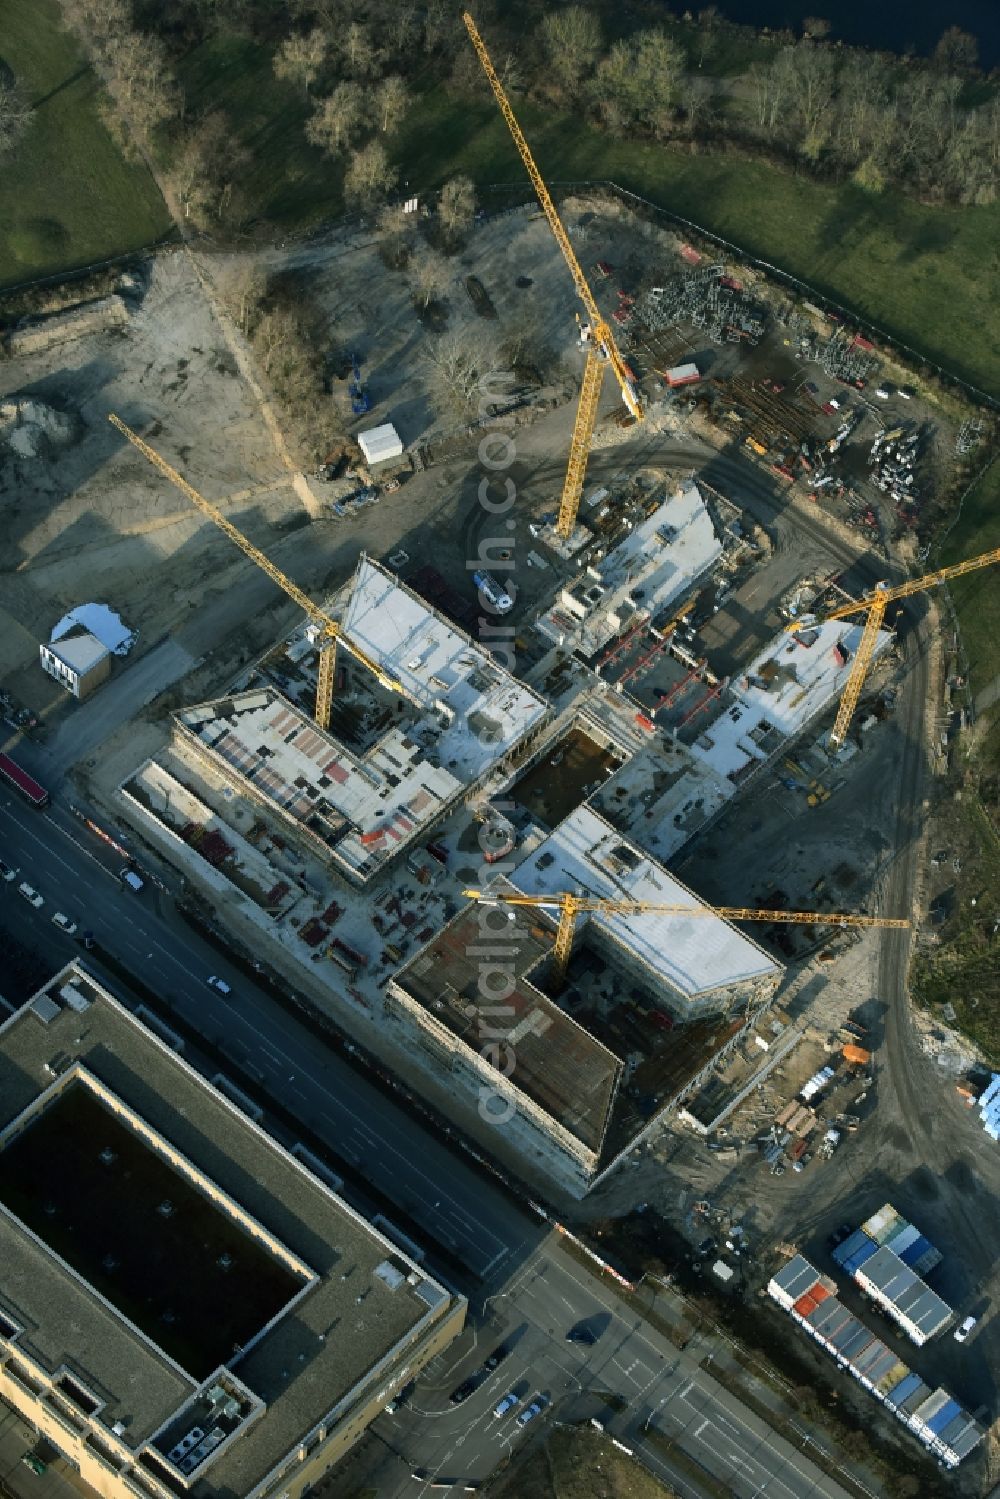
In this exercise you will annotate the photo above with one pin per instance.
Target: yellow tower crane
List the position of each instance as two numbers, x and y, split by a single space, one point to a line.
601 348
874 604
330 628
570 907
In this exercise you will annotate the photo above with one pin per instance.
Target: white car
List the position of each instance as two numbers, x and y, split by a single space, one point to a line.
30 894
961 1333
219 984
7 872
64 924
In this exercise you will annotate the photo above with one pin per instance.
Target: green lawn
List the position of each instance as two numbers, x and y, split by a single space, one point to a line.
977 596
67 196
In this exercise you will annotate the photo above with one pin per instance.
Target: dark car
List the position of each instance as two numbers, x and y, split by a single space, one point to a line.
463 1392
497 1357
581 1333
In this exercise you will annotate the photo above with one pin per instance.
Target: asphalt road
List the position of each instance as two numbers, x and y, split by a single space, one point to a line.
705 1431
75 873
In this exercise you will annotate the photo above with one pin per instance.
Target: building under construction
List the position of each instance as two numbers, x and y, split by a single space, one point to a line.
417 752
557 1081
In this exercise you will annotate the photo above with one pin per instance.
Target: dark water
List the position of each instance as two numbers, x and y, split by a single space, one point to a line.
888 25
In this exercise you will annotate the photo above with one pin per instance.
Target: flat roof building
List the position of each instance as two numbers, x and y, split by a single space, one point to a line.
77 660
701 964
559 1084
658 561
791 681
184 1306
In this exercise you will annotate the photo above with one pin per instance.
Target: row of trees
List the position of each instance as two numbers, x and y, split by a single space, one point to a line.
835 110
845 110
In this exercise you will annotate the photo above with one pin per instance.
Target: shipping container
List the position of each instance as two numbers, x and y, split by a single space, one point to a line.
682 374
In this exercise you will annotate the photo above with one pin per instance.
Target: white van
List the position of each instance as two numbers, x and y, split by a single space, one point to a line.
131 879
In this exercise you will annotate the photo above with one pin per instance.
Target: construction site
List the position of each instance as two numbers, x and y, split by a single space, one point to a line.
586 816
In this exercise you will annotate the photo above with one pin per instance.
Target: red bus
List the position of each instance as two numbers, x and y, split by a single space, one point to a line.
28 787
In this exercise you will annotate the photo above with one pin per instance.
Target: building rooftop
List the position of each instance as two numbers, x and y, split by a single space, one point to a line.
657 562
356 1297
100 621
361 808
567 1071
693 955
791 681
475 711
989 1107
78 649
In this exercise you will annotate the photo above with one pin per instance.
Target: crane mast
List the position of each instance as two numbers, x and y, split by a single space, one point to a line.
874 604
331 629
602 346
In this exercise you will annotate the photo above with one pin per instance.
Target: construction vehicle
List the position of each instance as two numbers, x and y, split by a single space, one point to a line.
329 630
356 389
874 604
816 792
596 332
571 906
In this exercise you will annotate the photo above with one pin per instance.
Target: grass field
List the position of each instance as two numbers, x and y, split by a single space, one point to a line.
67 196
963 970
977 596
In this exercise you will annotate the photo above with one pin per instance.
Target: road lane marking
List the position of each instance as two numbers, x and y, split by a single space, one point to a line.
481 1239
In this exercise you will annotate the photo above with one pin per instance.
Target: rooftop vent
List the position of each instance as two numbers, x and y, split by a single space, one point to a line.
389 1275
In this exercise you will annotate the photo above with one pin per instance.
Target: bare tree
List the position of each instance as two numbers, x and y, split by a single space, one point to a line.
456 209
708 23
395 235
572 40
869 175
358 50
243 294
205 171
957 49
438 22
637 81
392 100
337 119
812 74
299 59
15 114
142 89
458 363
816 28
696 95
370 175
429 274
